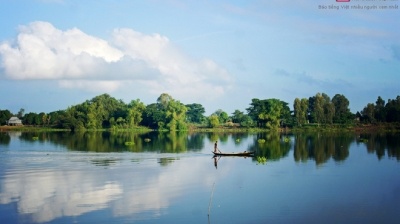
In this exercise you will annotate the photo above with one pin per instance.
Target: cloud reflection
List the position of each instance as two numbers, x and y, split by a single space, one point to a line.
126 188
49 194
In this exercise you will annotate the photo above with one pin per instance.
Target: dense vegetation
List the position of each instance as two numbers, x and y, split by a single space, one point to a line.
106 112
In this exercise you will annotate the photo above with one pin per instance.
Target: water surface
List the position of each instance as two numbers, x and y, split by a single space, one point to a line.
96 177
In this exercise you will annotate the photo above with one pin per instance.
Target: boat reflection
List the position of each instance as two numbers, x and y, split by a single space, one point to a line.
217 157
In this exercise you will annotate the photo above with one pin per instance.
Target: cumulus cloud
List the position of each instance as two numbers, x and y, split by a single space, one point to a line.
78 60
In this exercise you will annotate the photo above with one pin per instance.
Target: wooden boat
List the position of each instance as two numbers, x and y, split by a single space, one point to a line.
245 153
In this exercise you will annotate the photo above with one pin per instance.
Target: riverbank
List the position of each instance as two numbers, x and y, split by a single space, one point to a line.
391 127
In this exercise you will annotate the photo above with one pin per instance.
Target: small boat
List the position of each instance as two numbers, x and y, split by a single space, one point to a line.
245 153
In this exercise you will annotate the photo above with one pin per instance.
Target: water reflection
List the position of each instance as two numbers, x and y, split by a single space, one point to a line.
306 146
46 184
381 143
50 193
273 145
161 142
72 188
4 138
322 147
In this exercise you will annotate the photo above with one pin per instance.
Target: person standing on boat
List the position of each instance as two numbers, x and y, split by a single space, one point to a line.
216 147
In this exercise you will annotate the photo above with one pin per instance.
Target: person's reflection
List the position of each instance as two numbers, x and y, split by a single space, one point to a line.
216 162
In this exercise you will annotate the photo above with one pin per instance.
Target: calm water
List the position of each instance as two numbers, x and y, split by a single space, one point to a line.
122 178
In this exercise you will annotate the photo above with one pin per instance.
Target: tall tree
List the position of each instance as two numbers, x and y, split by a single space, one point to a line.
256 107
237 116
393 110
380 111
213 121
268 113
318 109
195 113
21 113
136 109
222 116
176 115
368 113
321 109
300 110
163 100
342 111
153 117
95 116
304 108
5 115
329 109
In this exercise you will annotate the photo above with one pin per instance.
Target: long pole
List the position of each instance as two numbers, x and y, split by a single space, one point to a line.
209 205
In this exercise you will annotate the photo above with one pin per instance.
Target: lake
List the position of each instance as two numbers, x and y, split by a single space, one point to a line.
103 177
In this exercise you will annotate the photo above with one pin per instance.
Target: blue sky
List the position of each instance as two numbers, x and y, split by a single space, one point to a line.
221 54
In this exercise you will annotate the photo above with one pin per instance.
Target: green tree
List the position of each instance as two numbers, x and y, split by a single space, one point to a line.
42 118
21 113
195 113
247 121
73 119
321 109
257 106
213 121
5 115
318 109
329 109
54 118
393 110
163 100
167 113
29 118
222 116
300 110
95 116
136 109
304 108
342 111
368 113
380 110
268 113
153 117
272 114
237 116
176 115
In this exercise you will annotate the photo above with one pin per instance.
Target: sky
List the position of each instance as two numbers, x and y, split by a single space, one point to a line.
221 54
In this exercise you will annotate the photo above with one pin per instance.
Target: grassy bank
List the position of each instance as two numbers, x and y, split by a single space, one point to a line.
30 128
390 127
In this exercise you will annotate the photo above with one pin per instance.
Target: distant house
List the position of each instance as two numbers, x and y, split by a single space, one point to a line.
14 121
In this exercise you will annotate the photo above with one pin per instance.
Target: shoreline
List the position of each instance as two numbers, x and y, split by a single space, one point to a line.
391 127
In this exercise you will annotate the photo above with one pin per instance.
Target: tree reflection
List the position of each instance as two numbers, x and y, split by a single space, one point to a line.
322 147
381 143
273 148
5 139
161 142
166 161
218 136
104 162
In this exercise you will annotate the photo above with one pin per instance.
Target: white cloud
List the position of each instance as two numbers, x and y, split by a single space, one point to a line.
43 52
90 85
78 60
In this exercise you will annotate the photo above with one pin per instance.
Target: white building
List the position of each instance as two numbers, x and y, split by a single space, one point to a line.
14 121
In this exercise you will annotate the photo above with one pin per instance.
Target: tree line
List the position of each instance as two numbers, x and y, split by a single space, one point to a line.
167 113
